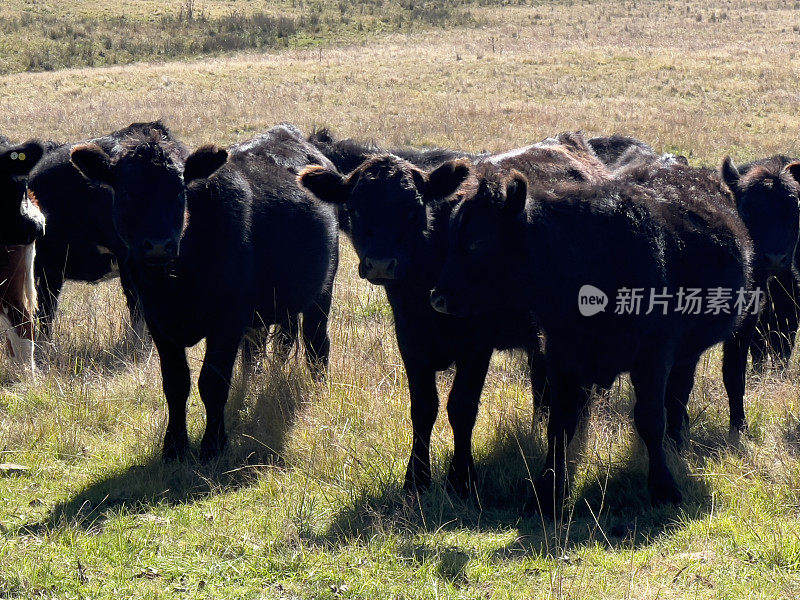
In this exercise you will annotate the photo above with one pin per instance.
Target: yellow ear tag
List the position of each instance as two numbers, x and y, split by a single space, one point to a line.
21 156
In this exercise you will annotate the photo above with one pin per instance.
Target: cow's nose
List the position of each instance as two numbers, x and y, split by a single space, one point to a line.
777 261
376 268
159 250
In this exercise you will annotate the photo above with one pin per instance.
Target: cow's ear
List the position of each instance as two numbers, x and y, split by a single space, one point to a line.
793 169
516 194
92 161
204 162
326 184
19 160
729 173
445 179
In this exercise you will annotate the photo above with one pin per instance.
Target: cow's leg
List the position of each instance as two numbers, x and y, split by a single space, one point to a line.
676 398
760 344
784 320
48 289
316 340
649 379
568 400
176 380
138 331
424 408
253 343
734 371
539 386
285 336
214 384
462 411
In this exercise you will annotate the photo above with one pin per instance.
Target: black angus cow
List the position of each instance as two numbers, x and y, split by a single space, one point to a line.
397 231
778 321
227 241
81 243
21 224
508 252
767 199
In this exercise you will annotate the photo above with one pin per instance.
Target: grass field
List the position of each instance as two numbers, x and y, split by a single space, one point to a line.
307 502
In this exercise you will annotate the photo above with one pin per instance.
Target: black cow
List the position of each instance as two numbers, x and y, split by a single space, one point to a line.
778 321
507 252
81 243
767 197
228 241
397 231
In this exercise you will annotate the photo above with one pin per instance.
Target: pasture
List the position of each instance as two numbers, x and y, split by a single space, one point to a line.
307 500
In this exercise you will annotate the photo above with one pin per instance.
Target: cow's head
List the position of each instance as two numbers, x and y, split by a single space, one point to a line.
21 221
385 199
147 178
484 246
767 200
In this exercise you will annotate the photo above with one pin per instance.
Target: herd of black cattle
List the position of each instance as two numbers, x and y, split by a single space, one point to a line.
476 252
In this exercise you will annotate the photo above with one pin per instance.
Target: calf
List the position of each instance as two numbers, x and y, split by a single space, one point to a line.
81 243
397 228
508 253
228 241
21 224
778 321
767 197
766 200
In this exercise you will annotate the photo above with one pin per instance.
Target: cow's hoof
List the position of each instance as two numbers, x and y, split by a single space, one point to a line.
212 447
418 477
461 481
665 493
547 497
174 449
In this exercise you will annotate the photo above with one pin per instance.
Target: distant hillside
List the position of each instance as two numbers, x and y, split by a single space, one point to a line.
45 36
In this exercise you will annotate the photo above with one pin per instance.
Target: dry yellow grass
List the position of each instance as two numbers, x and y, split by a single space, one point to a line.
649 69
325 519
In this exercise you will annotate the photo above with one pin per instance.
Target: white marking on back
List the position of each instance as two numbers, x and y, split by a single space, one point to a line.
498 158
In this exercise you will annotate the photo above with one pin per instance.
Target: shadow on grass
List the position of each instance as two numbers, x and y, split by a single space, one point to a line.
257 431
609 504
